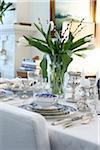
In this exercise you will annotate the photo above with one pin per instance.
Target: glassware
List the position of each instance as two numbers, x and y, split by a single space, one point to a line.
87 99
73 82
33 76
25 89
82 102
56 76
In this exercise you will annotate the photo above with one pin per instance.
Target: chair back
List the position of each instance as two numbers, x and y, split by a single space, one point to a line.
22 130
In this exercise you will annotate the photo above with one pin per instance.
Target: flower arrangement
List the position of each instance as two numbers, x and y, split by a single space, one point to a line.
3 8
60 49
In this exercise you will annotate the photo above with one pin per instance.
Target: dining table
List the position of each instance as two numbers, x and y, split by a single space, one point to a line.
78 135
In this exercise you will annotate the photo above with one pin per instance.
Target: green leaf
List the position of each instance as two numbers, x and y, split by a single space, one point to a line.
1 19
80 55
37 27
7 5
65 62
68 43
49 31
43 66
11 9
56 44
38 45
38 40
3 8
80 42
40 30
2 5
49 40
80 49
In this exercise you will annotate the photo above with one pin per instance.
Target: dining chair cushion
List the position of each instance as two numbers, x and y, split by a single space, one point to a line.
22 130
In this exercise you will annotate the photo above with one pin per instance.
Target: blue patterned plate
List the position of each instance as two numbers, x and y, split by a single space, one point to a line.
56 111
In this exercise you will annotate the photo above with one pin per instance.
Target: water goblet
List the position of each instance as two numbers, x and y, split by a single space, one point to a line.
87 100
82 102
73 82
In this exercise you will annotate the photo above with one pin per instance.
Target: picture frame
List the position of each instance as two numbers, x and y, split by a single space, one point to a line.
91 17
92 8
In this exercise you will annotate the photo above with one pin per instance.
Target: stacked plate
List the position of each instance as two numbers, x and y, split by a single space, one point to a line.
52 112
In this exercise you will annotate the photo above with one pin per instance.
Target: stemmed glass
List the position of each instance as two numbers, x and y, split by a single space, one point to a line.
73 82
87 99
82 102
25 88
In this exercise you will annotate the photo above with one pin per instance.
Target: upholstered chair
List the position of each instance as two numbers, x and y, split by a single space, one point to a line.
22 130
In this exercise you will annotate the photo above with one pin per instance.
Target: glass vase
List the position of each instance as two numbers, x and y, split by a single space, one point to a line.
56 76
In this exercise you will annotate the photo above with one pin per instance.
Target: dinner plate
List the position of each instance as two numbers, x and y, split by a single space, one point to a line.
54 107
56 111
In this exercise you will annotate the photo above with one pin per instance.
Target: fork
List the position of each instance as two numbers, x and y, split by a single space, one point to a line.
70 117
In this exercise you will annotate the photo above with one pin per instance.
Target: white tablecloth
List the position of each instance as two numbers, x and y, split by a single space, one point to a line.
81 137
78 137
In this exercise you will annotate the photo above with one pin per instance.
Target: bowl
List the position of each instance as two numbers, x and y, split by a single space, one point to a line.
45 99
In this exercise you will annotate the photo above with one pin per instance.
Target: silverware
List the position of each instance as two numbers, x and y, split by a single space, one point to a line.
84 120
70 118
72 122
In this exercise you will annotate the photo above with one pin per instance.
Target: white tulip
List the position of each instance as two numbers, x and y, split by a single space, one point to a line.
52 25
22 41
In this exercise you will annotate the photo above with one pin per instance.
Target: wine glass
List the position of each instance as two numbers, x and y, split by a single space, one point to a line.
73 82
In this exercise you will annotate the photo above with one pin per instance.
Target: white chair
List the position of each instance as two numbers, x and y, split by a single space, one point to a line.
22 130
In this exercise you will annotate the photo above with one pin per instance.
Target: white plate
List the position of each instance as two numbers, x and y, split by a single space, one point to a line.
56 111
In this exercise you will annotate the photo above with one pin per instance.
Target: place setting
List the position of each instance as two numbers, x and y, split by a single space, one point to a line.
48 105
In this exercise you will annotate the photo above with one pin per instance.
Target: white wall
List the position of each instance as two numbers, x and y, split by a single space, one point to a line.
31 10
28 11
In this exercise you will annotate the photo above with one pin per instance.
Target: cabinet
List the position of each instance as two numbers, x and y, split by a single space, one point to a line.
9 36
